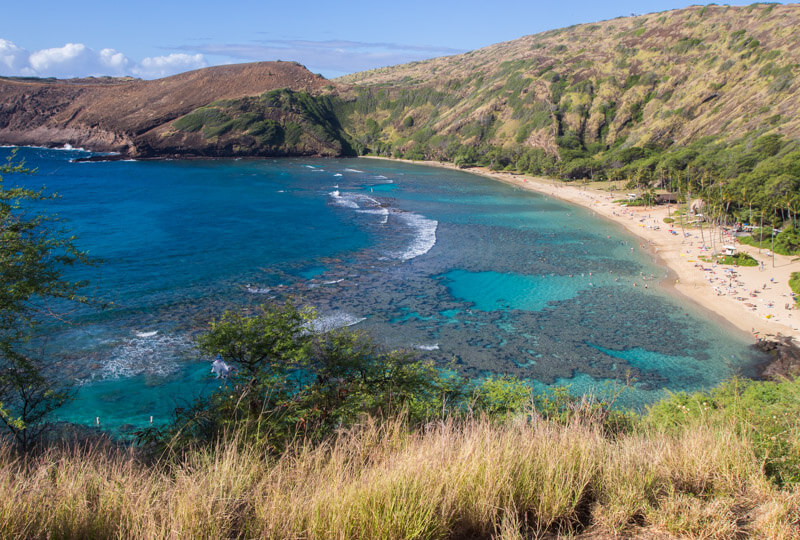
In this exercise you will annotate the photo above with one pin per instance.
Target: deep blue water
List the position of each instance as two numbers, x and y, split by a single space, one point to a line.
460 268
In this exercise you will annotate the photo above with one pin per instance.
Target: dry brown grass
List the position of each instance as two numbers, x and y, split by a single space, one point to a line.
475 479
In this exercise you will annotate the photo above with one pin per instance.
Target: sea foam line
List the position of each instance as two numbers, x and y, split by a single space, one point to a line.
425 237
347 202
362 203
424 228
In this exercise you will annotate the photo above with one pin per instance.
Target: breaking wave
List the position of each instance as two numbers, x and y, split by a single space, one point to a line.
424 228
362 203
424 237
345 201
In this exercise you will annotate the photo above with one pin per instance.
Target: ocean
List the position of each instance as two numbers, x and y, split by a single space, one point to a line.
471 273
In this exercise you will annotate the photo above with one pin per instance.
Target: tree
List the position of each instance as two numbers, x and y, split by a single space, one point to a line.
290 381
34 253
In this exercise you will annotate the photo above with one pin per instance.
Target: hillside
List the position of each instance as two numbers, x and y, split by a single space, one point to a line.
664 78
135 117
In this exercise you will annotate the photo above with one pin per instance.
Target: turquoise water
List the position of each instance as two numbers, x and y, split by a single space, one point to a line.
461 269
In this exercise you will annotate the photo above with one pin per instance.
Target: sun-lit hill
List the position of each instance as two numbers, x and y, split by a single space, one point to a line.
135 116
661 78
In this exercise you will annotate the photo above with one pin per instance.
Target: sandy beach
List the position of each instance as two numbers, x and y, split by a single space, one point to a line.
754 299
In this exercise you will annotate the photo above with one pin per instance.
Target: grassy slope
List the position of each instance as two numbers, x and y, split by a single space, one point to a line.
696 466
672 76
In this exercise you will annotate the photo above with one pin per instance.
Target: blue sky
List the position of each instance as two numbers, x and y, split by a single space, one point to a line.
149 39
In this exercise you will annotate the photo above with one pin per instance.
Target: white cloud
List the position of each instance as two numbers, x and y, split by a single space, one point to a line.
331 57
13 60
161 66
78 60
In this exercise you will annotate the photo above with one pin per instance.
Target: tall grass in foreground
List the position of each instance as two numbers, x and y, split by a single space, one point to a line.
522 478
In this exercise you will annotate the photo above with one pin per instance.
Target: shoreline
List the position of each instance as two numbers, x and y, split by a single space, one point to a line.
742 303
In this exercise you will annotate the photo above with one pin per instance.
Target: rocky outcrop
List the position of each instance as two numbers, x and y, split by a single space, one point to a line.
784 358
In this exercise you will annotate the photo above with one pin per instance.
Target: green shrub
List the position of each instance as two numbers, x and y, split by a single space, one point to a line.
198 119
268 132
765 412
741 259
786 242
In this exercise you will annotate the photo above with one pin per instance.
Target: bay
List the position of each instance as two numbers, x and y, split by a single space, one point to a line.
468 272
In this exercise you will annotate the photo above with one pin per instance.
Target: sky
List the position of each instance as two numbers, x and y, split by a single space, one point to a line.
152 39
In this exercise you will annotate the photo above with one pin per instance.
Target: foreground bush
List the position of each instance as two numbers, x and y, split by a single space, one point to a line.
476 478
766 413
287 382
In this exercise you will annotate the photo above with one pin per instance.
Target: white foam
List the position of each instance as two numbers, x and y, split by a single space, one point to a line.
353 170
384 212
424 239
146 334
257 290
332 281
338 174
371 206
339 319
309 166
434 347
150 355
362 203
65 147
424 228
347 202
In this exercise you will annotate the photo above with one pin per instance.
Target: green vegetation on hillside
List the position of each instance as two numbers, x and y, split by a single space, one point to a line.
277 122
